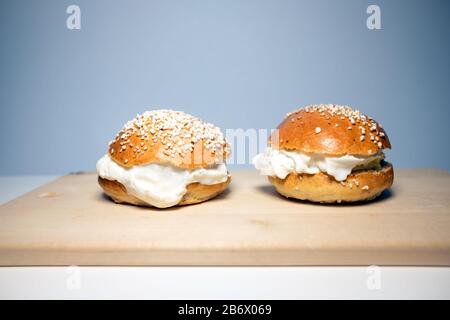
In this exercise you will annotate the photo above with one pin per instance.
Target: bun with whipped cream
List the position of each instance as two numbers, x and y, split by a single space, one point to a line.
327 153
164 158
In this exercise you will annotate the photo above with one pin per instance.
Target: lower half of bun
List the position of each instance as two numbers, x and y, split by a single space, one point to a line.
196 192
320 187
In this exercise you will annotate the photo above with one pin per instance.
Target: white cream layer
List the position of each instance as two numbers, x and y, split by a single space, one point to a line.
280 163
159 185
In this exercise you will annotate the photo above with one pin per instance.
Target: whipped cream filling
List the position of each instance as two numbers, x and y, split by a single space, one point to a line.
280 163
160 185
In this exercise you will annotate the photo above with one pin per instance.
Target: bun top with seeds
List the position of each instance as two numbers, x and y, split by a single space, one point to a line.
331 130
171 137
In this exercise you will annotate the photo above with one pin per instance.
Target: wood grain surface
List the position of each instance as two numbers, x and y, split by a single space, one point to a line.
70 222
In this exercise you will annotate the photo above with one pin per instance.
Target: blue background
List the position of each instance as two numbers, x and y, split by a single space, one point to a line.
239 64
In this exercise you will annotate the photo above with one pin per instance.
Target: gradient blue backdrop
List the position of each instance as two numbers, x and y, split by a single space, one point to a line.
239 64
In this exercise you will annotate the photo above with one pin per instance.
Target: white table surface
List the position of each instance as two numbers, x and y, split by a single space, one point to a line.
213 282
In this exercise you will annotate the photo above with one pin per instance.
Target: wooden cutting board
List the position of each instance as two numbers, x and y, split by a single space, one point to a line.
70 222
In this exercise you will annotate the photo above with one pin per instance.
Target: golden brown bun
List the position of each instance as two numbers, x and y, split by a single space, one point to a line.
330 129
196 192
320 187
167 136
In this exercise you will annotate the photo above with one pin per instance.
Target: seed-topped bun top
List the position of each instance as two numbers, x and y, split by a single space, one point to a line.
167 136
330 129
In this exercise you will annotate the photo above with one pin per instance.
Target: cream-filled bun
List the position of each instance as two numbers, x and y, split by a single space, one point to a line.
327 153
164 158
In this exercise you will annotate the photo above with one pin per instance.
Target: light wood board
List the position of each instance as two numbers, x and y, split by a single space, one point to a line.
70 222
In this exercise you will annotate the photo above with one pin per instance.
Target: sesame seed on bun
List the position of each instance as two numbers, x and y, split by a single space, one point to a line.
330 129
167 136
164 158
327 153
